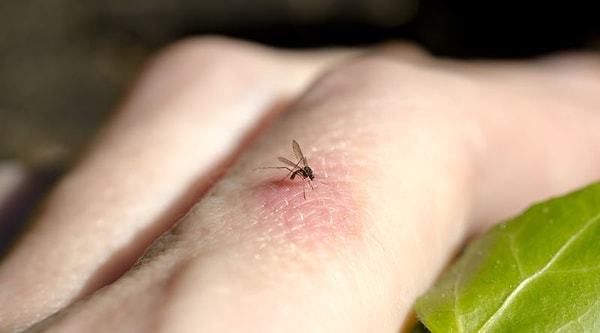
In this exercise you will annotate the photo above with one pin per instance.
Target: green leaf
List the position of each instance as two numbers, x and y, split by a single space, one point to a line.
539 272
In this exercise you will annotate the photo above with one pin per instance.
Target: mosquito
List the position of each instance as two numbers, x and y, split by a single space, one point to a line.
298 169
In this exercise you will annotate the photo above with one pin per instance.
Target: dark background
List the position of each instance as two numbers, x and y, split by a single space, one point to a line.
65 64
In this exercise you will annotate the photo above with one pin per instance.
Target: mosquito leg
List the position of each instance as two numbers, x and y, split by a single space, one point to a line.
281 167
291 172
304 190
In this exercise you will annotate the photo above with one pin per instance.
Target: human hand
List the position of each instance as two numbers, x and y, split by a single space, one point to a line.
412 155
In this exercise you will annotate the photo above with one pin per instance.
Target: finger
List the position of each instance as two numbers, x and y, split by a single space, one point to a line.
172 138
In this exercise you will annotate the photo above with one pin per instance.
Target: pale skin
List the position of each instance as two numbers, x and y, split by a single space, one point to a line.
412 155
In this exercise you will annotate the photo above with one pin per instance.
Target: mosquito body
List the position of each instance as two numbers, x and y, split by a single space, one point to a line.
298 169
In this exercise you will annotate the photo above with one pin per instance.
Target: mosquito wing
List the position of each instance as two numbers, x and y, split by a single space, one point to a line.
288 162
298 152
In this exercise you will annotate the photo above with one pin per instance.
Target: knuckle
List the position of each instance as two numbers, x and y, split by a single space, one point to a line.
197 49
366 77
214 60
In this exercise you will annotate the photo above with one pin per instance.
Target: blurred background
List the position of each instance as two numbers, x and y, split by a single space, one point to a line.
65 64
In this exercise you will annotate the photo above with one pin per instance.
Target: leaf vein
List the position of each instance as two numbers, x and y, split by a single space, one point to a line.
578 319
507 302
576 270
457 318
513 251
